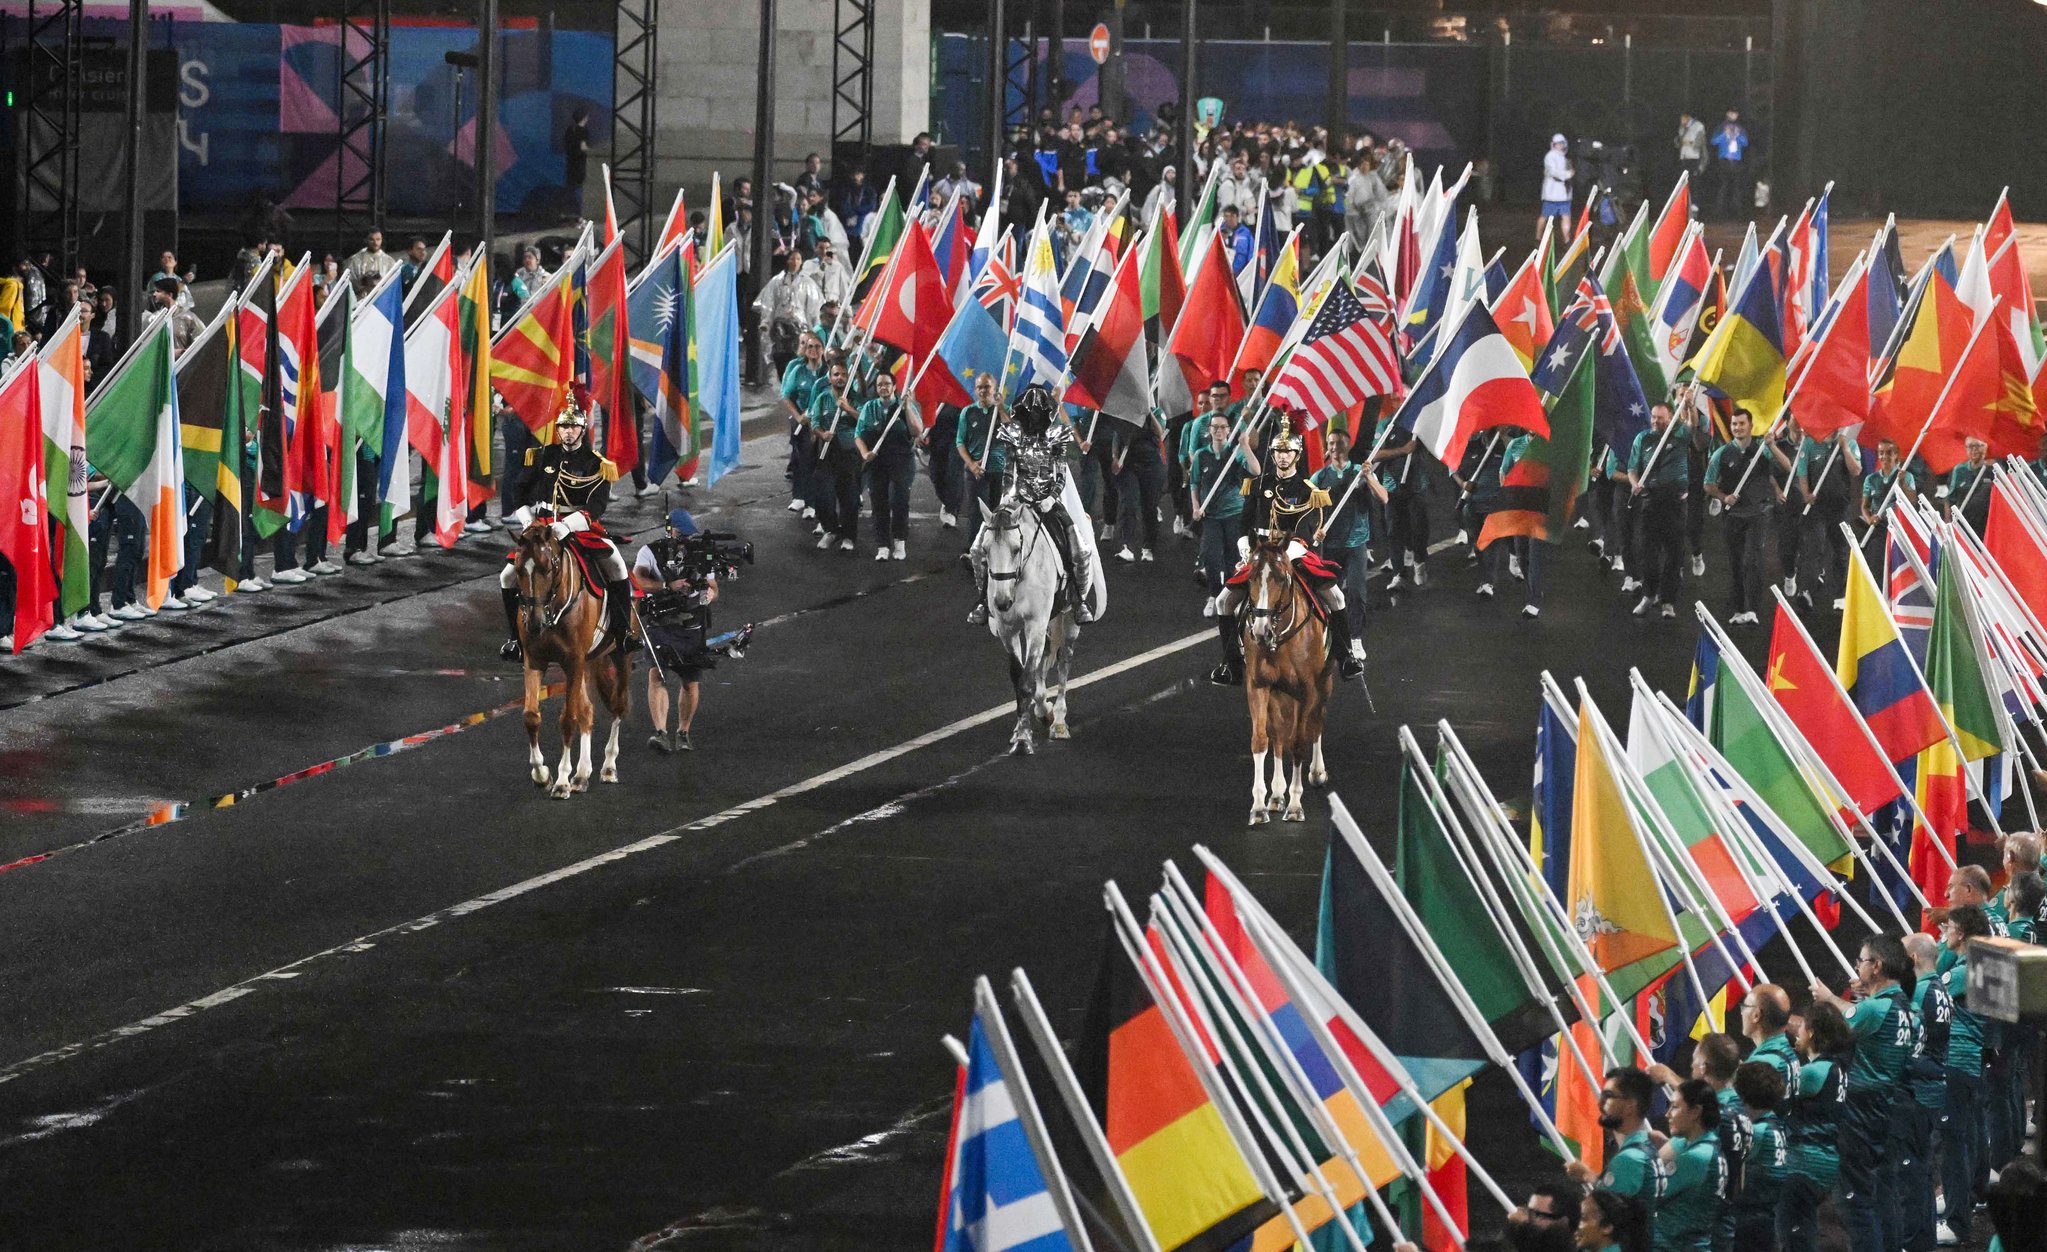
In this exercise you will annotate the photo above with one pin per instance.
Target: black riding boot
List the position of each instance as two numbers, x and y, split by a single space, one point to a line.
1348 666
618 613
1231 672
1073 559
511 651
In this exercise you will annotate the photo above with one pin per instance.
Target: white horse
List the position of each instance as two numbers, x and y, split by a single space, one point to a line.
1025 579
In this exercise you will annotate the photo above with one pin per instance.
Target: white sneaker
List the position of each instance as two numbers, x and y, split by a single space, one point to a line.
1698 567
107 621
89 623
1145 555
809 514
818 529
1630 583
1125 554
1513 566
947 520
898 552
1619 566
250 586
651 489
290 577
824 542
1208 608
1840 605
175 604
881 553
63 632
1943 1236
130 613
6 643
1461 537
1668 612
200 595
1395 583
358 558
1581 524
845 545
795 506
326 569
394 550
476 528
1531 610
1790 588
1485 590
1179 527
1643 606
1421 575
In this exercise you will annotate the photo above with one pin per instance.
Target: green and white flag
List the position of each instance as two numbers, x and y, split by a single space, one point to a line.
132 436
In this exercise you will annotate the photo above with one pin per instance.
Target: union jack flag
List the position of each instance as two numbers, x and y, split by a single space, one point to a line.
1910 596
1372 294
1590 311
999 286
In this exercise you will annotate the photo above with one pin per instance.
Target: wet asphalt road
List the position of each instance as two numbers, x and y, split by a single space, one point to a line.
410 1002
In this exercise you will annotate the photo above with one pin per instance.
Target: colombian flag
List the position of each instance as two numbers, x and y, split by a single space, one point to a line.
1278 306
1878 673
1743 359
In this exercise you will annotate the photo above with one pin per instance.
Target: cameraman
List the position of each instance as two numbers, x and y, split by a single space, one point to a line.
676 629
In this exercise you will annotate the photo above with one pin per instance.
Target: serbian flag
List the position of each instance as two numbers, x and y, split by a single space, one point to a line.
1211 323
1109 366
1831 391
1806 690
1522 311
2012 542
25 521
1475 383
533 359
909 308
1278 306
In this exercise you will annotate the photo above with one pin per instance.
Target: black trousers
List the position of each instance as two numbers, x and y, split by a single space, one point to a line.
1138 489
1662 516
1745 561
842 467
1407 518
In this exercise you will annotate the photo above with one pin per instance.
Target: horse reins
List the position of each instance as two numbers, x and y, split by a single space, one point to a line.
1295 620
1023 561
552 621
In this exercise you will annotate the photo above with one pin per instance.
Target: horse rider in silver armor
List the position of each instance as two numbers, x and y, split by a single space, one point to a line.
568 484
1037 476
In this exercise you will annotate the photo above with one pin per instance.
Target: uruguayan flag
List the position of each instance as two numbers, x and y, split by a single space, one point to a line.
1037 343
999 1196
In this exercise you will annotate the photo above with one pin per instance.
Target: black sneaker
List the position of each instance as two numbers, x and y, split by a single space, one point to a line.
680 741
659 742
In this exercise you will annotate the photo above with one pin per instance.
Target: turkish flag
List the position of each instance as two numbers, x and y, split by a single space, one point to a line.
910 309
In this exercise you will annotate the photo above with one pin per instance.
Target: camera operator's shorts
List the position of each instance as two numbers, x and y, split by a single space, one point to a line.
678 643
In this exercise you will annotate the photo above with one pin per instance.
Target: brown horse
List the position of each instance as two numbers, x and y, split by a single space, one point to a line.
560 617
1288 678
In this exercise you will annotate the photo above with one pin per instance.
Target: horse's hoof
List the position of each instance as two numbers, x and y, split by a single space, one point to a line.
1021 747
581 784
560 791
1294 814
1259 817
540 775
1059 731
608 776
1320 778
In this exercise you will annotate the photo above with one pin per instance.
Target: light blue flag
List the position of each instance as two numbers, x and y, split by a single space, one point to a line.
717 329
999 1198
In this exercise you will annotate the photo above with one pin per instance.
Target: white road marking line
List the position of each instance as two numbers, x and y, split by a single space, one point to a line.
369 941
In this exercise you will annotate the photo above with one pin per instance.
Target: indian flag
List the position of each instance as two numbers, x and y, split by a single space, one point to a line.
131 435
62 364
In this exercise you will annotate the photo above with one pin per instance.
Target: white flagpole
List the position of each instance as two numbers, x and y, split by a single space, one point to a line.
1027 1112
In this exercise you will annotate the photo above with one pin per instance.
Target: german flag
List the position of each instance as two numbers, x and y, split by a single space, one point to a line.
1169 1139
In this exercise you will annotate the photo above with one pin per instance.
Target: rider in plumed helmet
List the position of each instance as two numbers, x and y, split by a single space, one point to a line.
568 484
1036 442
1282 506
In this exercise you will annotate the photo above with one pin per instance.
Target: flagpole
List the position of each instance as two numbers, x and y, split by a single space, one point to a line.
1439 807
1796 747
1287 964
1188 915
1766 896
1039 1028
1979 644
1026 1102
1954 741
1692 741
1475 1022
1597 721
1294 1154
1934 412
866 254
1195 1054
1464 776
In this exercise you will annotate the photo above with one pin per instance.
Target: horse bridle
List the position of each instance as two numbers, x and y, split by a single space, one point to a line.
1014 511
1296 618
562 586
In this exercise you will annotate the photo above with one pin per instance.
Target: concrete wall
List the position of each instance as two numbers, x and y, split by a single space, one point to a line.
709 51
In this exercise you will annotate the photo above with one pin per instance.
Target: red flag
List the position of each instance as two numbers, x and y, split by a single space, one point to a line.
533 360
1669 231
1832 390
2016 550
1987 398
909 309
1803 685
610 340
1211 325
25 505
1912 380
675 227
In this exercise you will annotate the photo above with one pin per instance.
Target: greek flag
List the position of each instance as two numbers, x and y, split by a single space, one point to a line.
999 1197
1037 343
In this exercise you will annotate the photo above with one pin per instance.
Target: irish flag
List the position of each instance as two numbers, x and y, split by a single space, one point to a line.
62 367
131 435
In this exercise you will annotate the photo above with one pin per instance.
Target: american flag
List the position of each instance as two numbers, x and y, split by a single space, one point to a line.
1344 357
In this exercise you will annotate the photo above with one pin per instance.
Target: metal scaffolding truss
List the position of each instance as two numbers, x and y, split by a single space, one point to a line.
363 101
1020 76
632 126
853 74
54 94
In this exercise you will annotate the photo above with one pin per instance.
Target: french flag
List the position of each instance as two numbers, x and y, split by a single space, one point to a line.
1475 383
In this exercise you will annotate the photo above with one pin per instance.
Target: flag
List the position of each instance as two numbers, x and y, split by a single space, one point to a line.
438 274
909 309
1667 235
1614 897
533 358
1204 218
1956 681
1743 359
1474 383
1190 1181
291 400
1109 366
1831 391
1588 333
325 448
1807 691
714 224
610 352
1000 1197
951 246
1278 305
210 428
998 285
1539 492
1433 285
662 364
1211 323
1570 267
1990 398
1909 553
676 224
1344 357
1929 342
973 344
1162 280
1878 673
61 386
132 437
373 396
716 314
434 428
1680 302
256 355
472 392
2012 541
1887 288
1037 342
1522 311
882 236
25 518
